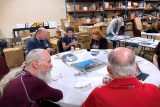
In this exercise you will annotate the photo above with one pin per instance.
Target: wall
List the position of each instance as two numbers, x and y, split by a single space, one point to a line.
13 12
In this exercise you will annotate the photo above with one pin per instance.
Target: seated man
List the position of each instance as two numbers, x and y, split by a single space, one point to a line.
69 39
28 88
124 90
156 57
40 41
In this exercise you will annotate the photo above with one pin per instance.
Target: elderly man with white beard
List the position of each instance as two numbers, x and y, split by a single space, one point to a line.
28 88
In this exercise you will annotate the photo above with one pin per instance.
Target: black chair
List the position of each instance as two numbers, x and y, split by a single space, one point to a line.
3 44
3 67
59 44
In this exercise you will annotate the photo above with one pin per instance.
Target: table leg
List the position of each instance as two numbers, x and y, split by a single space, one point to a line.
141 51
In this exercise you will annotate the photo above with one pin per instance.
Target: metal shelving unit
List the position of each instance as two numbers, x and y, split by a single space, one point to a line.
74 12
104 10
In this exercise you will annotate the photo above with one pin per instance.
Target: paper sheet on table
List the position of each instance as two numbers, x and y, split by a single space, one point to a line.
95 81
56 76
82 82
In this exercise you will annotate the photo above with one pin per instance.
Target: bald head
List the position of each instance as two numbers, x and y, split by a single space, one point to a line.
122 62
42 34
122 54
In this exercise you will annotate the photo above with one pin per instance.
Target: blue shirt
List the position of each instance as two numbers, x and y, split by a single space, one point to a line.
37 44
68 40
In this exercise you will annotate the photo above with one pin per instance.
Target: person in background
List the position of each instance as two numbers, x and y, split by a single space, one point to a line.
156 56
98 40
69 39
113 30
40 41
124 89
28 88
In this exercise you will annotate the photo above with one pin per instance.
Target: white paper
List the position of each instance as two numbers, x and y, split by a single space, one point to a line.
21 25
53 24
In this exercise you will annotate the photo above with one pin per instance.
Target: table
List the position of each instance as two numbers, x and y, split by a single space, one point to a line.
76 96
143 42
150 43
117 38
153 35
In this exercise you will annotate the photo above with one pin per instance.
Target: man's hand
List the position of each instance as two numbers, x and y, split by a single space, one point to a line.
116 33
73 43
51 50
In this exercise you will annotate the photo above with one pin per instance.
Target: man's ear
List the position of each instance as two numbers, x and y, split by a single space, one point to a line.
35 64
109 70
137 67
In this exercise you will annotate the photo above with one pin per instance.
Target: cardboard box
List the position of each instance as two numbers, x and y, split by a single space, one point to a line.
84 37
145 26
103 29
70 7
69 17
14 56
138 23
92 28
54 42
24 33
76 29
85 45
76 22
63 22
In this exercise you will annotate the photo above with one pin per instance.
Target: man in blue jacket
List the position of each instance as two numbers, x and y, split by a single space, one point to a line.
40 41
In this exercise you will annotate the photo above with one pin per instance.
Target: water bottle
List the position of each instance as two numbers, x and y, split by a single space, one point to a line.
72 49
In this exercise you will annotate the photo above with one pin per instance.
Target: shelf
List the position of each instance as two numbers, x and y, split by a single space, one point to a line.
150 9
134 8
85 11
84 0
151 0
112 0
115 4
123 9
114 9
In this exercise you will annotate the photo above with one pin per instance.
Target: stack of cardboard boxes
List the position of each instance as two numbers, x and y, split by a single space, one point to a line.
84 40
14 56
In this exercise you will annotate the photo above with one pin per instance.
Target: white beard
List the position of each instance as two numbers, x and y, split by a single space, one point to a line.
46 77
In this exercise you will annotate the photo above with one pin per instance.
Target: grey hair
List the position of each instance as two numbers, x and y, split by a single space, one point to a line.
35 54
122 69
120 19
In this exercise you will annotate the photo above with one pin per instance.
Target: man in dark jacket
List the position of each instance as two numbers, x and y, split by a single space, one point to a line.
40 41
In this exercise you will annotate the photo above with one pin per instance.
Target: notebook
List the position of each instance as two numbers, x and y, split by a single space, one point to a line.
141 75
